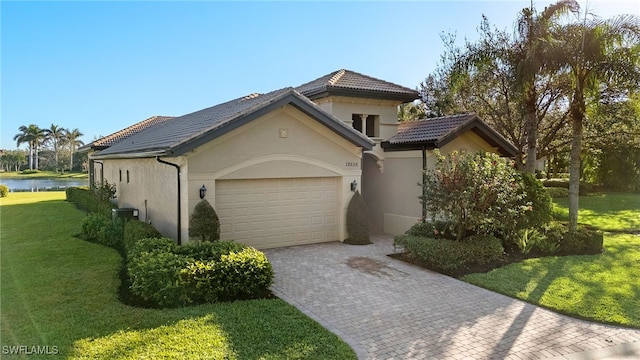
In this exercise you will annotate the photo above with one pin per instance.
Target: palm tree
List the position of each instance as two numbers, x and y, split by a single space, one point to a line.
523 58
528 57
596 53
33 136
56 135
73 141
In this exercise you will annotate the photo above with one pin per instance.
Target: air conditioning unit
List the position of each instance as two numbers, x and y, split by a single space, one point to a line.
124 214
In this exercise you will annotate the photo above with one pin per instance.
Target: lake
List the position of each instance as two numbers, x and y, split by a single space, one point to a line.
42 184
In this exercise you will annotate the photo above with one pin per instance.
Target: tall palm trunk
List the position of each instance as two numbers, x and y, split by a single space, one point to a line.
531 127
577 115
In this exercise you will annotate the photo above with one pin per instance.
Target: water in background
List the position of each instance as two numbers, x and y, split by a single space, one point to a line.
42 184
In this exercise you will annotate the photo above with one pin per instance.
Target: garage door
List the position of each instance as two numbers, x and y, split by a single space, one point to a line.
267 213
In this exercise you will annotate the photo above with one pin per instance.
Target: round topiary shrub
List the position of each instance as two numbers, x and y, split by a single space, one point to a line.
4 190
357 221
204 223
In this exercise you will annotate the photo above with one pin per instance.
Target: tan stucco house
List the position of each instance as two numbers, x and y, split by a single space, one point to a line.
281 167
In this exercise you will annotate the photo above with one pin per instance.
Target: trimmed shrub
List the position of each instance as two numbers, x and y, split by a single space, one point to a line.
208 250
93 225
583 241
135 231
166 275
89 201
449 255
237 275
4 190
154 276
357 221
557 192
204 223
433 229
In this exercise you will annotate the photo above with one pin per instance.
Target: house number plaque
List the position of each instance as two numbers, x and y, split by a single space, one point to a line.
352 164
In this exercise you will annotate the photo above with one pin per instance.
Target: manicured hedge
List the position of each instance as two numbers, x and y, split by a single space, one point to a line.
557 192
450 255
432 229
90 201
167 275
135 231
4 190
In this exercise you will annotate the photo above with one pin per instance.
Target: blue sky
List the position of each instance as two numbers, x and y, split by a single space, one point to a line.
102 66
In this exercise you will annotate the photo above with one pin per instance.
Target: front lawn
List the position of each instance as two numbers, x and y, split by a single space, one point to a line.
61 292
604 287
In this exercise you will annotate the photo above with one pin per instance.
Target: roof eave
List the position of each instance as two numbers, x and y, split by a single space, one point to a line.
360 93
244 118
133 155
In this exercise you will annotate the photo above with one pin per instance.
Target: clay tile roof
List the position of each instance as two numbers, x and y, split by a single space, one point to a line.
428 130
436 132
194 129
106 141
350 83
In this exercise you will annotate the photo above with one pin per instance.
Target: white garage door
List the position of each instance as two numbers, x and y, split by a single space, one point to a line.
267 213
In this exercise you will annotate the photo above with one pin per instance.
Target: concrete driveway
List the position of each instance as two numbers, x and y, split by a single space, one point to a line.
385 309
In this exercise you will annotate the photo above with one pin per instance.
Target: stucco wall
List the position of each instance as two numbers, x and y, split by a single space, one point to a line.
343 108
260 149
151 188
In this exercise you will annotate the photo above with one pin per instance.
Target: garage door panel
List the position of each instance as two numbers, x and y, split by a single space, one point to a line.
278 212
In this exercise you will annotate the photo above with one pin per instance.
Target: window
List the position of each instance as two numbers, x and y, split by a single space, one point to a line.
120 174
127 176
371 124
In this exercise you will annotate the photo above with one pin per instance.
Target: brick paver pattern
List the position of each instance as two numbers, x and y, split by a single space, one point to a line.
387 309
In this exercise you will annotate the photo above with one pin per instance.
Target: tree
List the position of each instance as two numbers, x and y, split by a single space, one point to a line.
410 111
33 136
13 159
56 135
487 78
594 52
73 142
528 57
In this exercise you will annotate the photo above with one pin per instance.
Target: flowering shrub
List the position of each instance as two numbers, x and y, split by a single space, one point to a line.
478 193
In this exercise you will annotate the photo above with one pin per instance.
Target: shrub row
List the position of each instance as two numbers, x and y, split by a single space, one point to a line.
585 188
583 241
4 190
135 231
167 275
449 255
90 201
557 192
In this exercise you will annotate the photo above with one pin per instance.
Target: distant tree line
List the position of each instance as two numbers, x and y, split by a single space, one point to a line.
52 148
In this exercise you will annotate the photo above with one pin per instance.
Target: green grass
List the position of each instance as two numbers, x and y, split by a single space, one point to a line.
57 290
43 175
608 211
603 288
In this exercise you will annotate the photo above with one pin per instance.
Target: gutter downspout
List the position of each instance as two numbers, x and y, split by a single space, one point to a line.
424 181
179 199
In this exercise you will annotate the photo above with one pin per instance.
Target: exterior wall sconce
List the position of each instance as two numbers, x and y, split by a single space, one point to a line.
203 192
354 186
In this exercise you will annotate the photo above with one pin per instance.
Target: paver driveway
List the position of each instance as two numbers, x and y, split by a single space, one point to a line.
386 309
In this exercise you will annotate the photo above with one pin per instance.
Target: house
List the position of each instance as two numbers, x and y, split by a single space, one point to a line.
281 167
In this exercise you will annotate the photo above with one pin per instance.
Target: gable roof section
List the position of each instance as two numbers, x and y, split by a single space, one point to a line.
350 83
437 132
106 141
187 132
